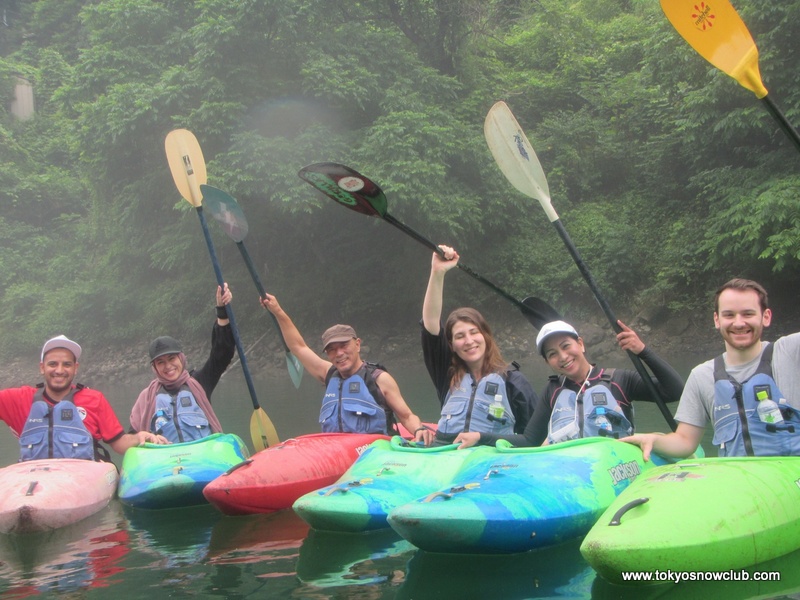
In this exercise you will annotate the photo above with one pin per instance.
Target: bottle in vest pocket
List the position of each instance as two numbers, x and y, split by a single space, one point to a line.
768 410
602 422
496 410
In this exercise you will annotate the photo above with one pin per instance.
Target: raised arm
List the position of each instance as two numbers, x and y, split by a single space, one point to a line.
314 364
223 346
667 378
432 304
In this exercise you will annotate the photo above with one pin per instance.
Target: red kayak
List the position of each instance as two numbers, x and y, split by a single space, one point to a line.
274 478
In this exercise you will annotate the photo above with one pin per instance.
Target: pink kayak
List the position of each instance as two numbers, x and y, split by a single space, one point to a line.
41 495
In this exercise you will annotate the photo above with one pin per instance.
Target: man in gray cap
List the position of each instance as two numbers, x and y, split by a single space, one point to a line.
34 414
360 397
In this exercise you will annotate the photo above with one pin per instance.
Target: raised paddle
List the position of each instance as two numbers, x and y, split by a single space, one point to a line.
514 155
718 34
188 169
353 190
224 208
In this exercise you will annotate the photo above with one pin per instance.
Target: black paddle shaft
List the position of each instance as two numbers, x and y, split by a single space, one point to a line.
637 362
782 121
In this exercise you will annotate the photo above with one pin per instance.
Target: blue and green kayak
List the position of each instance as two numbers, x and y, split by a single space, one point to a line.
509 500
389 473
155 476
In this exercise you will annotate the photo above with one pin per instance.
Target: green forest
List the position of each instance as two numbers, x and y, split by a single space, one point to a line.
669 176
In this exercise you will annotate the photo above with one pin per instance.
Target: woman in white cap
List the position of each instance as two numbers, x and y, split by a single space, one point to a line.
478 390
176 404
584 400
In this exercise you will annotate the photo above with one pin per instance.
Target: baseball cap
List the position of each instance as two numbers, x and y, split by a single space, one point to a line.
62 341
552 328
164 345
338 333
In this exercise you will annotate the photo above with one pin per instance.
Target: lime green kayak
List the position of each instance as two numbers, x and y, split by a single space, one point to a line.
711 514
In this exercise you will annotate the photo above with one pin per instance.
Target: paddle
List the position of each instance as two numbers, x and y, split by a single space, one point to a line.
224 208
356 192
514 155
718 34
188 169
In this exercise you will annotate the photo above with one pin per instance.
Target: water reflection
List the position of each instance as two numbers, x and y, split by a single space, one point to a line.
84 555
559 571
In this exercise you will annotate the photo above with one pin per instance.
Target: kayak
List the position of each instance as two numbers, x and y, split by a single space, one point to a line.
46 494
167 476
712 514
513 500
275 477
390 473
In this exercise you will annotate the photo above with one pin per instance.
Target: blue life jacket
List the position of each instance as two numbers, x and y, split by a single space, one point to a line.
178 417
738 430
355 404
593 412
55 430
467 407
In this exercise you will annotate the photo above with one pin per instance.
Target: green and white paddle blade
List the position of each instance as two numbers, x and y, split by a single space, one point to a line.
515 156
346 186
224 208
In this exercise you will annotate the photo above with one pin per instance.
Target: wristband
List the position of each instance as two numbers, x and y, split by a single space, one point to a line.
222 313
422 428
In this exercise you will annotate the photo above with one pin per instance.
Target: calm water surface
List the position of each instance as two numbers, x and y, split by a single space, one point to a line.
127 554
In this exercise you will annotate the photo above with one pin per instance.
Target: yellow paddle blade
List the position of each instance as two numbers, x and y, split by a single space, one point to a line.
186 163
716 31
515 156
262 431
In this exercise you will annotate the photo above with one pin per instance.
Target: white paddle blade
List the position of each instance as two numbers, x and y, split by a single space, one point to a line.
186 163
515 156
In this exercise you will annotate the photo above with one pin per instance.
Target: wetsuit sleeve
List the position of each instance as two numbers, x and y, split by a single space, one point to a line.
664 377
223 347
522 398
535 431
437 356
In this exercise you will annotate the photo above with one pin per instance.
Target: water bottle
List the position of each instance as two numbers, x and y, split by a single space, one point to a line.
496 410
768 410
602 421
161 420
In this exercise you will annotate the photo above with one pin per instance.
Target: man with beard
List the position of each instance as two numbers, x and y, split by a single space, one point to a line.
360 397
750 394
60 419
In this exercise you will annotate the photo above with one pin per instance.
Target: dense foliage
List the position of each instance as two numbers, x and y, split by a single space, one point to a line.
668 175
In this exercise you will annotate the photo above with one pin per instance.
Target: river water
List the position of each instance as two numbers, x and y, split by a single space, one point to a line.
127 554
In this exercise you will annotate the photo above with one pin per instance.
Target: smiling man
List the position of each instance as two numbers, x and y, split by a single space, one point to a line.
750 394
61 419
360 397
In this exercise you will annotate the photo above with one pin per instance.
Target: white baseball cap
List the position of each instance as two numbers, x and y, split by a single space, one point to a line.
552 328
62 341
